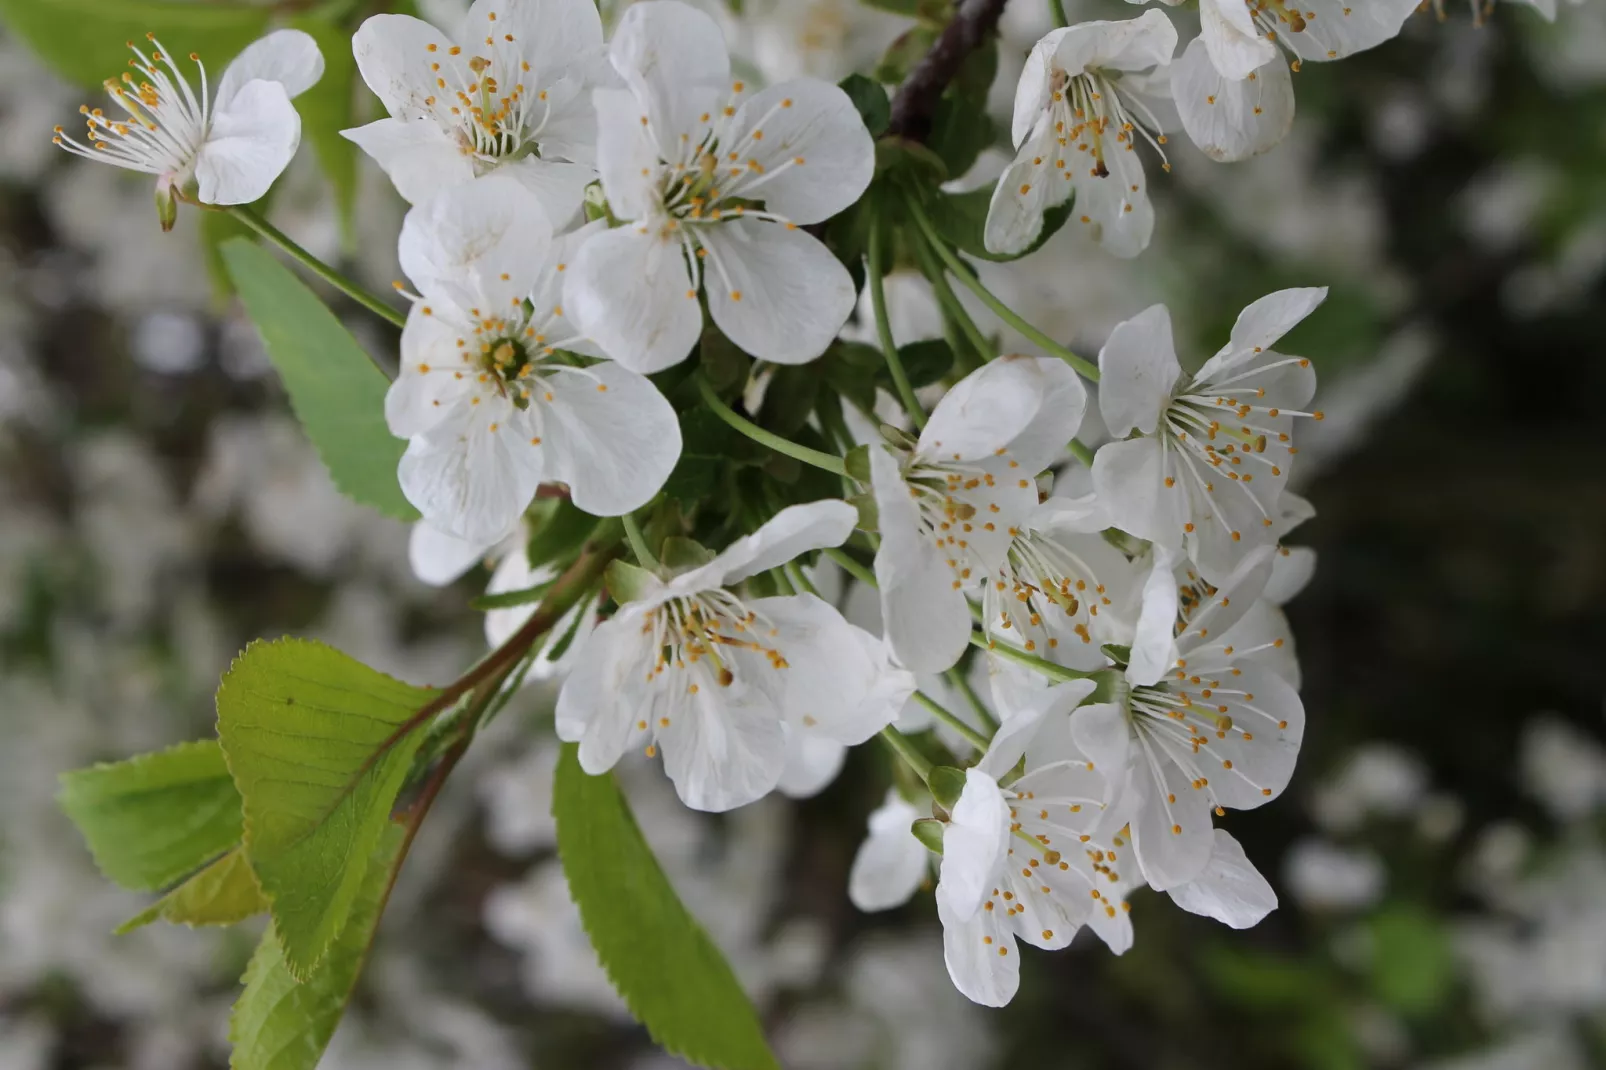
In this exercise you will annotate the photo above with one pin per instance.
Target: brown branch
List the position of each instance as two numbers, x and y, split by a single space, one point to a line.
916 100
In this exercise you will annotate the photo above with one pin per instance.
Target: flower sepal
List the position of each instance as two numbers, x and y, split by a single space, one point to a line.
167 198
680 554
946 783
627 582
928 830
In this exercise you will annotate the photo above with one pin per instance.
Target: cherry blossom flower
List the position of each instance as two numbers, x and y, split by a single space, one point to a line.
489 392
950 508
509 92
686 157
1086 96
891 862
726 686
224 148
1232 85
1213 457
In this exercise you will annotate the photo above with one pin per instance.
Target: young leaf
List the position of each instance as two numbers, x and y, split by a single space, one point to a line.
85 40
281 1023
221 894
337 393
311 738
644 935
156 818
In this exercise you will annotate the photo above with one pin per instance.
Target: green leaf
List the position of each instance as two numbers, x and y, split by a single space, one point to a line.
790 398
960 130
311 738
924 362
156 818
282 1023
221 894
903 54
669 972
85 41
335 390
961 218
328 108
870 98
511 599
561 529
1413 965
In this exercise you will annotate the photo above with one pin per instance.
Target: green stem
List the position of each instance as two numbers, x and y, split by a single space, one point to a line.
961 684
883 327
1032 661
850 566
1056 8
905 749
827 461
955 311
961 271
318 268
638 543
952 720
1081 453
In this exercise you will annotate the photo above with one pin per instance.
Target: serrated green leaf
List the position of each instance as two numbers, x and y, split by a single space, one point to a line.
154 819
669 972
311 738
961 218
281 1023
223 893
328 108
85 41
335 390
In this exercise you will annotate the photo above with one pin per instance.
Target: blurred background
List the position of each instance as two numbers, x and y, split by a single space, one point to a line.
1440 858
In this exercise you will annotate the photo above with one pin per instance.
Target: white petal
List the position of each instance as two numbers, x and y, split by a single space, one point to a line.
1114 206
439 558
629 291
1263 636
1261 325
1129 477
1262 704
547 292
982 957
985 411
480 245
775 290
288 57
1154 644
394 56
627 158
1171 839
724 746
1027 189
926 617
838 684
1120 45
1231 120
890 863
551 35
795 530
1138 371
1019 730
1291 571
1042 441
1232 40
559 186
1336 28
419 157
613 436
1212 616
427 386
1101 732
1230 890
1071 516
1035 85
594 707
249 145
665 51
974 842
812 762
472 479
816 155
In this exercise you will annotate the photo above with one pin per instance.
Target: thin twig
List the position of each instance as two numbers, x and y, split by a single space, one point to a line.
916 100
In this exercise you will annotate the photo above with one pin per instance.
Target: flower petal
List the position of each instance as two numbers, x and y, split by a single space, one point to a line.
472 478
812 762
985 411
724 747
439 558
775 289
1246 773
559 187
250 143
838 682
395 54
926 617
890 863
1291 571
428 385
480 245
974 842
981 954
551 35
613 436
627 158
1232 120
1138 371
1027 189
288 57
666 51
1042 441
1230 890
1172 839
1018 730
1129 477
793 531
418 157
1335 28
1261 325
815 156
1232 39
1101 732
1114 206
629 291
597 706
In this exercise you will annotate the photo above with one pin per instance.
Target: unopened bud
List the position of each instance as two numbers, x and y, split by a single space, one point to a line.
166 202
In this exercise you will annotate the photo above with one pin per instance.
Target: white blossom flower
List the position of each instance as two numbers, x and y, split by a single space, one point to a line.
226 148
686 155
1229 889
1215 449
891 862
1200 725
726 686
950 508
1034 860
1087 94
490 401
1232 85
509 93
